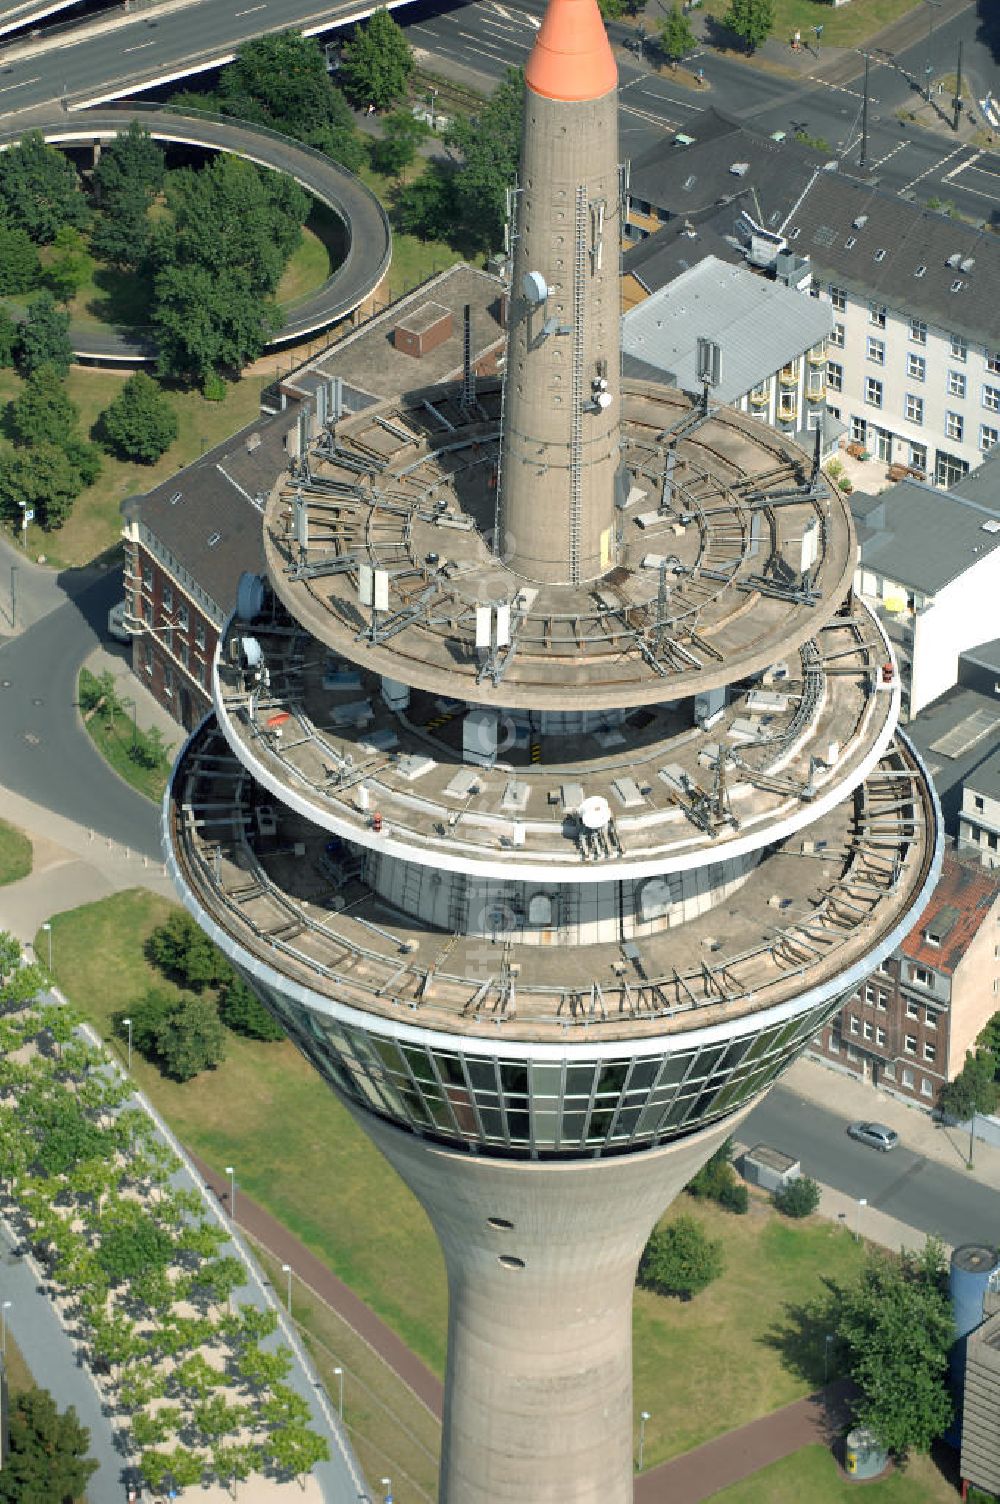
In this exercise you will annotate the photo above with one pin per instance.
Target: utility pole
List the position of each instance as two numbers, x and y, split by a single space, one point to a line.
13 596
863 159
958 90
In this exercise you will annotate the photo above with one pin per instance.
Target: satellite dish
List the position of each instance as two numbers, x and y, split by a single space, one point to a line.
595 812
251 650
604 400
249 596
534 288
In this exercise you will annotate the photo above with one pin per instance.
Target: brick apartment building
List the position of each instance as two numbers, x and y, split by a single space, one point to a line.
907 1029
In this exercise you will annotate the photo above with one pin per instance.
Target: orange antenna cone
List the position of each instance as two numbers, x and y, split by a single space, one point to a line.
572 57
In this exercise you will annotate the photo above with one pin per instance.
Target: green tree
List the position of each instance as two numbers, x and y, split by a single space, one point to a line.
40 190
18 983
181 950
718 1181
235 1464
376 62
896 1326
19 265
974 1089
42 412
47 1459
130 164
206 321
140 423
190 1038
242 1011
132 1241
490 145
281 81
799 1198
45 477
676 37
295 1450
428 207
752 20
216 1418
10 336
396 149
45 335
84 457
680 1259
70 266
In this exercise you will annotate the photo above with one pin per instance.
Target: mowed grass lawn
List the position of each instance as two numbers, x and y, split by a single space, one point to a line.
95 523
708 1365
843 26
811 1476
700 1368
15 854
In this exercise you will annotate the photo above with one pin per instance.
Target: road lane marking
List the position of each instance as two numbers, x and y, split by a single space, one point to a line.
891 153
961 167
22 85
139 47
934 167
251 11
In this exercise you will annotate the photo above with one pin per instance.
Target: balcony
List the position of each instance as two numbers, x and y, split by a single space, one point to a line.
759 399
789 378
817 355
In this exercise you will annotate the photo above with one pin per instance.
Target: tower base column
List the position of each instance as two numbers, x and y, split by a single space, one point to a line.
541 1260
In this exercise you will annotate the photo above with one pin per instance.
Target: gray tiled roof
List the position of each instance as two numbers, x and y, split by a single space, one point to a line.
674 249
920 536
986 778
759 324
874 244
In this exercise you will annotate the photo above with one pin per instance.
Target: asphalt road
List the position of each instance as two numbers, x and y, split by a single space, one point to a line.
45 753
923 1193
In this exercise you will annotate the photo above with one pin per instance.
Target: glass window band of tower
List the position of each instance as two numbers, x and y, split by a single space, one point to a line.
543 1109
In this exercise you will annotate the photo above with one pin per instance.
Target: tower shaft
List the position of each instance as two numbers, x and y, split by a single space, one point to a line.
561 443
541 1261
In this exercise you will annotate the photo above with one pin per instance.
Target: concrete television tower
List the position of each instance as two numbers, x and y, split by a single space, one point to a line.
553 799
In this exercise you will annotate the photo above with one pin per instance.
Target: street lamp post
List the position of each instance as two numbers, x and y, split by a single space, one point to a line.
232 1192
819 32
387 1488
47 927
340 1398
13 595
128 1024
643 1417
286 1269
4 1308
932 6
862 1201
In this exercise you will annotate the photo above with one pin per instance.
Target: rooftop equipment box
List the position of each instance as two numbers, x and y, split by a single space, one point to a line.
423 330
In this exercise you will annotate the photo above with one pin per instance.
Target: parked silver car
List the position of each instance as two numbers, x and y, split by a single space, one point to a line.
875 1134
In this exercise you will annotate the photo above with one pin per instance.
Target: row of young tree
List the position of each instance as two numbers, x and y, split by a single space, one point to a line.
146 1282
185 1032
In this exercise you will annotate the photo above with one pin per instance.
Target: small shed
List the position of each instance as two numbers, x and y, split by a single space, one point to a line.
769 1168
423 329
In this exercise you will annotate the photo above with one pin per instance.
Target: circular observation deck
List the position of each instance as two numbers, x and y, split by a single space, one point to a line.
780 750
732 554
566 1051
815 915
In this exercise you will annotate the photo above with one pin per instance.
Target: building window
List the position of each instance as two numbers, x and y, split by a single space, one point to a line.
880 1037
988 437
912 1011
183 620
873 391
918 457
881 1001
993 362
869 993
833 1044
168 682
168 597
956 383
978 803
837 336
146 569
876 350
834 376
959 347
786 404
876 315
914 408
930 1052
869 1029
183 653
889 1070
838 298
854 1024
926 1089
859 430
147 656
954 426
199 636
991 398
910 1043
852 1052
916 367
815 383
907 1076
918 331
948 468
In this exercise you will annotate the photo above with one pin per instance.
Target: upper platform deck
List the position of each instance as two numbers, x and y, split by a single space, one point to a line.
733 554
318 734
